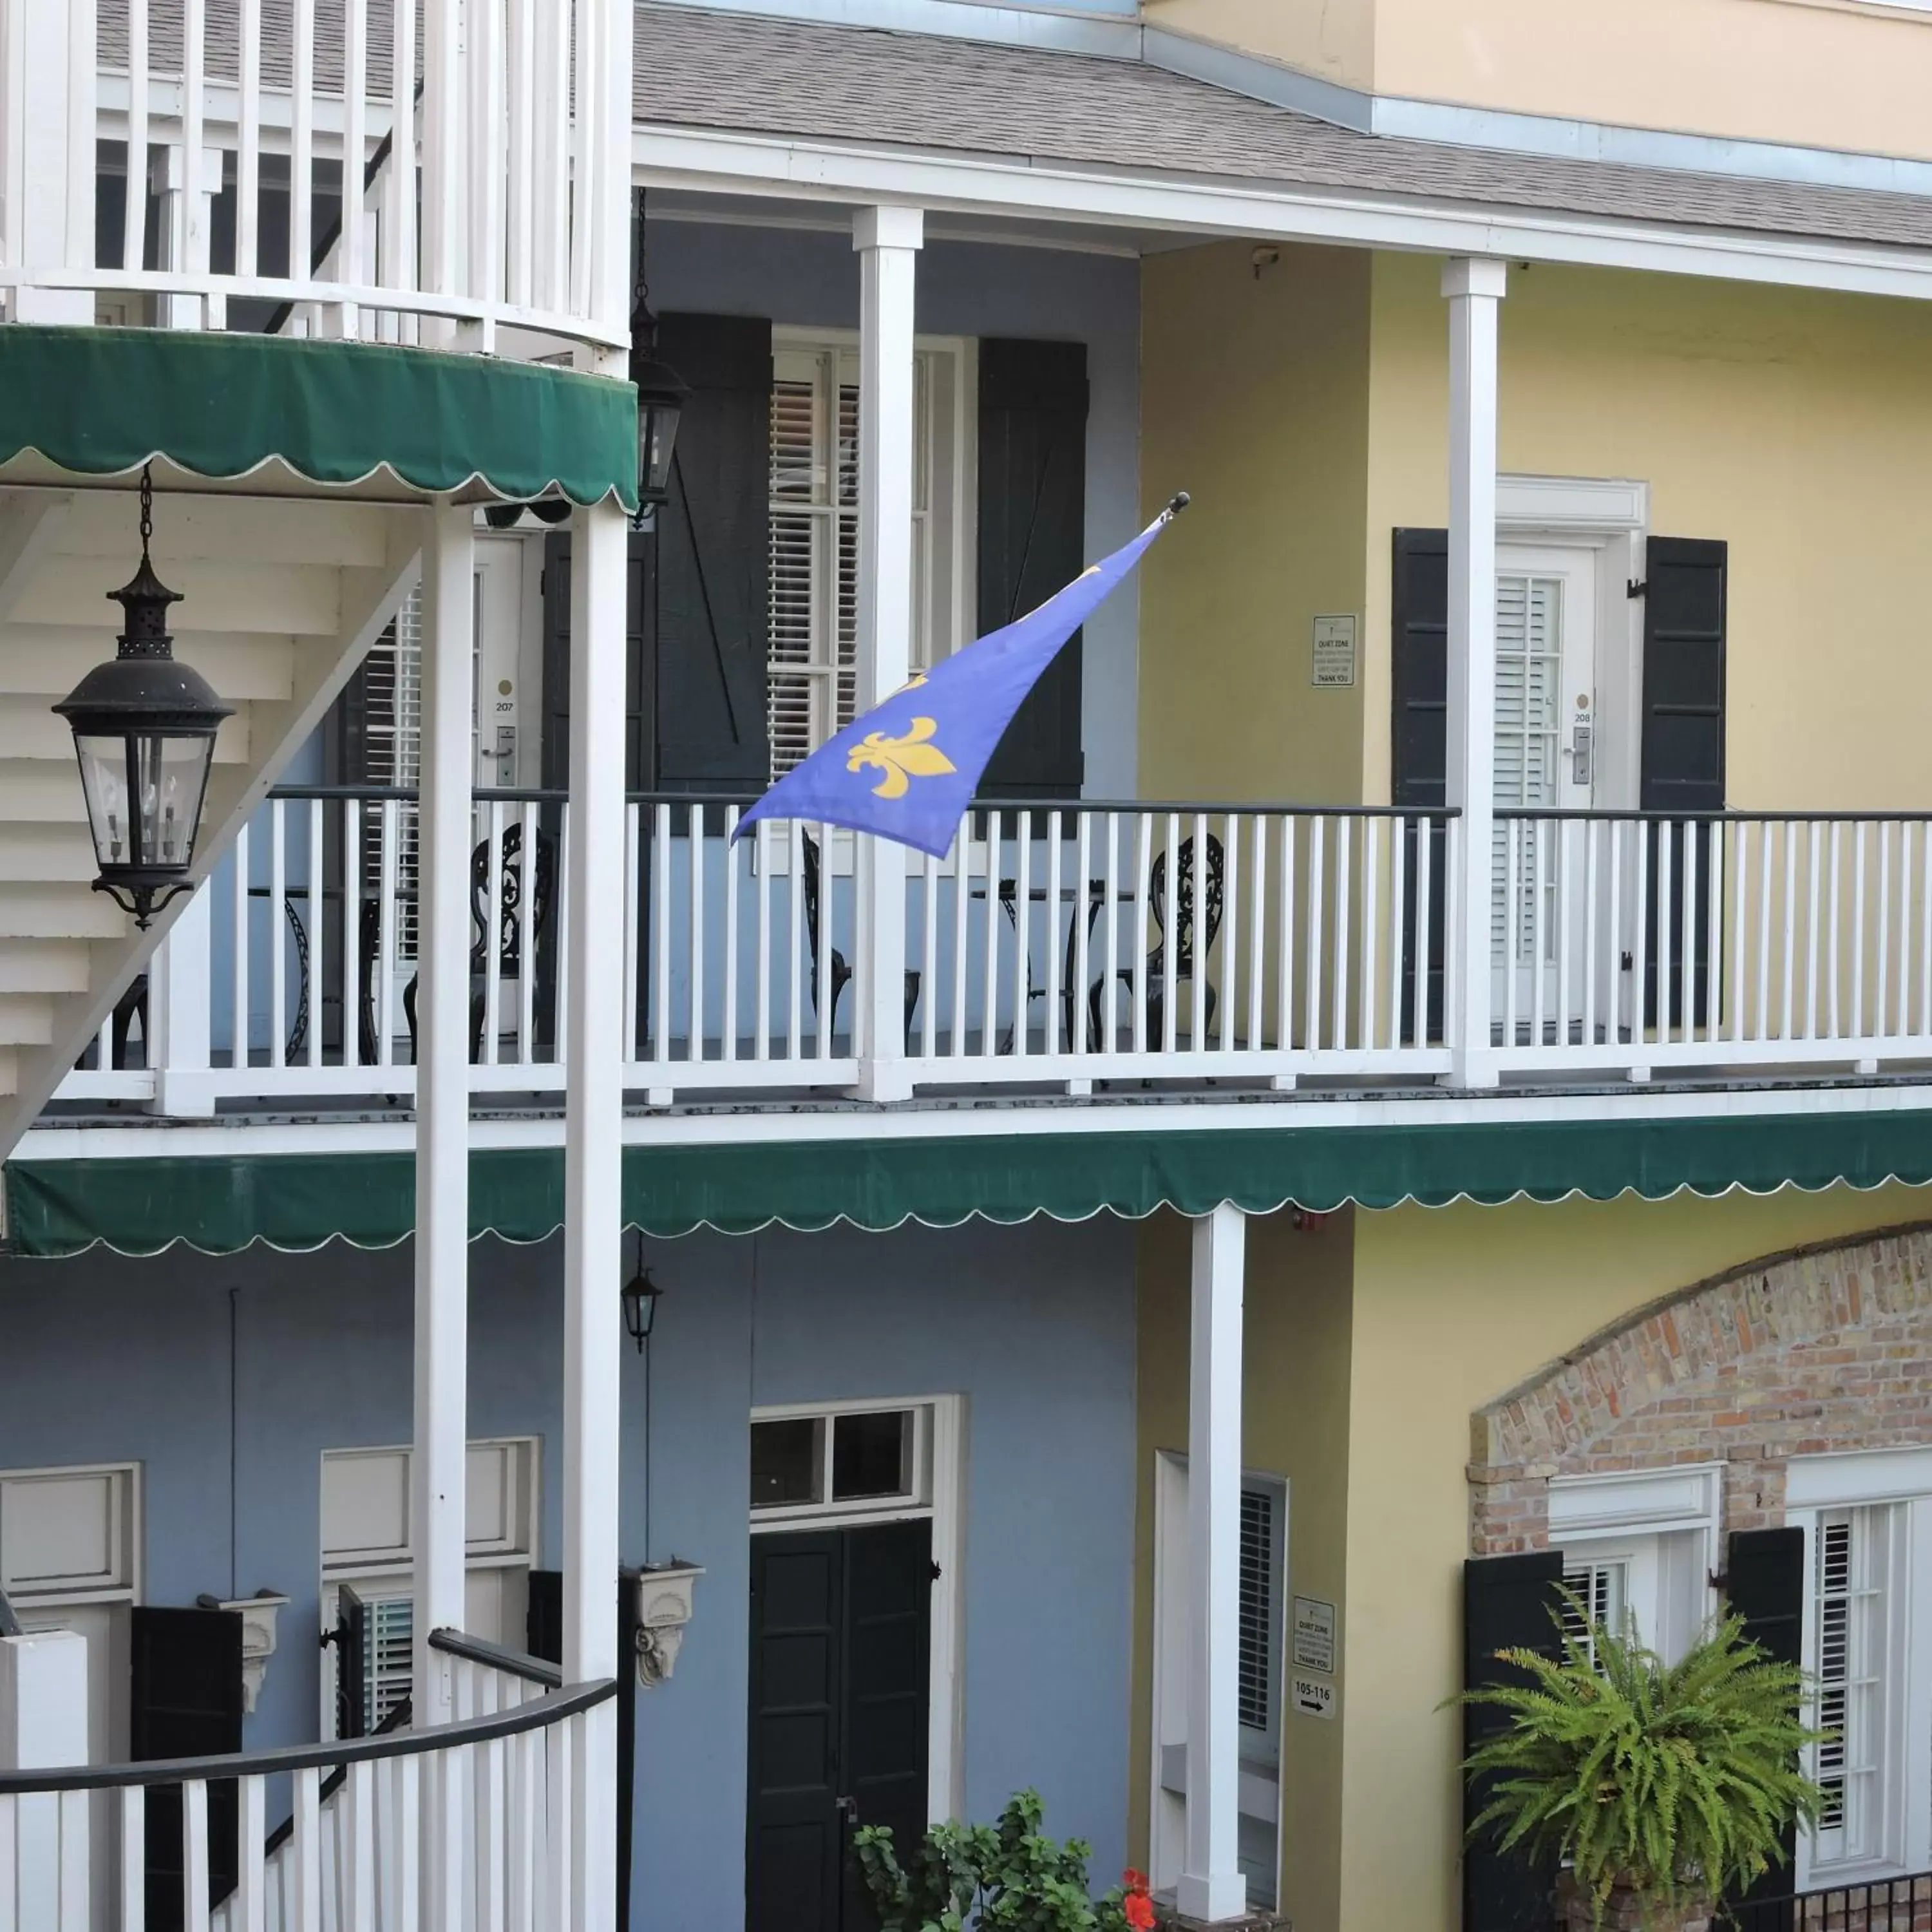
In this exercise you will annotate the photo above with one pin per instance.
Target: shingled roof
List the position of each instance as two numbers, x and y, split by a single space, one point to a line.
754 74
751 73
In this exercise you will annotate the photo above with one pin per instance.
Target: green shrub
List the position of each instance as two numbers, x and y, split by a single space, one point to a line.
1674 1780
1006 1877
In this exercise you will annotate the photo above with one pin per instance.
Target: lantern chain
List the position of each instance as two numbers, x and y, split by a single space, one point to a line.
147 506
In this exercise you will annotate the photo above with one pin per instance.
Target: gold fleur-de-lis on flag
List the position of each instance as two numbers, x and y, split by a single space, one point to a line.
901 760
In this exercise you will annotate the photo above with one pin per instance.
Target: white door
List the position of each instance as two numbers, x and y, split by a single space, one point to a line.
1546 758
499 696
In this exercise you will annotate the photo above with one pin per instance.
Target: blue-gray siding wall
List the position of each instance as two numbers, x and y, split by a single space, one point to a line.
810 278
226 1379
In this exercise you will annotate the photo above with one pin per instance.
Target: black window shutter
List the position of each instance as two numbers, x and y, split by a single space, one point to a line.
1682 745
1420 713
185 1701
1507 1602
1033 522
1765 1582
714 559
350 1638
640 695
543 1616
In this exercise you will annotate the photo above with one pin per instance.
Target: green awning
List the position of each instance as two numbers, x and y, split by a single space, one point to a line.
221 1204
101 402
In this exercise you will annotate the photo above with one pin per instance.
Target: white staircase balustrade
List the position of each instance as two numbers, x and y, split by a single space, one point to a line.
481 209
356 1854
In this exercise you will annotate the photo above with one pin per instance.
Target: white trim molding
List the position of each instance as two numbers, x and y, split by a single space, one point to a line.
1690 1497
938 1495
1856 1477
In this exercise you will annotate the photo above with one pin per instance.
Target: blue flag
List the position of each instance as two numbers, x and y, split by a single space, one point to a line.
908 768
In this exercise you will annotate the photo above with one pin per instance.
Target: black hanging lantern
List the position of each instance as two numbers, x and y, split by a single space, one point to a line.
640 1300
144 730
662 392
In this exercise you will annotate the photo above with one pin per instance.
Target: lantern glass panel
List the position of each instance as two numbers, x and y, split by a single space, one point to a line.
104 781
657 436
173 773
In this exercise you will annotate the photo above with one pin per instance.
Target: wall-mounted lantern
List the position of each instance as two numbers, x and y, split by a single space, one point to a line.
662 392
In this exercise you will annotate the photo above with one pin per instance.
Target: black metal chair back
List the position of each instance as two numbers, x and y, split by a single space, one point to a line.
510 938
1182 932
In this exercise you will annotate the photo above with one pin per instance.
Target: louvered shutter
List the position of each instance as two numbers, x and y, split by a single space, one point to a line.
185 1701
1507 1603
713 560
1686 594
1764 1582
1420 712
1033 512
1259 1612
350 1641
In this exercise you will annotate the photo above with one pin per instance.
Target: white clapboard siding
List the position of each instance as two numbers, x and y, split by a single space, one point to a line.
274 595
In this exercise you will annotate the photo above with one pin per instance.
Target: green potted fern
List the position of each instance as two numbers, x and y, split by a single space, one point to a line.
1662 1788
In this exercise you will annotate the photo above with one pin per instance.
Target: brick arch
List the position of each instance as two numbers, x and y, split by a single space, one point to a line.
1823 1349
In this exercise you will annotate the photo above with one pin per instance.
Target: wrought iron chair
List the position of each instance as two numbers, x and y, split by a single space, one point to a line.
841 968
510 963
1152 972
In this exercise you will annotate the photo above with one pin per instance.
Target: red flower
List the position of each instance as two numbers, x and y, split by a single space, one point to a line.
1135 1881
1139 1910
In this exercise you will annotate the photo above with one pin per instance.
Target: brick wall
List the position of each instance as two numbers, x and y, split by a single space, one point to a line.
1824 1349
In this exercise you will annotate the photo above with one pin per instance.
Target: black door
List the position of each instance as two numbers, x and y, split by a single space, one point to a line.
841 1638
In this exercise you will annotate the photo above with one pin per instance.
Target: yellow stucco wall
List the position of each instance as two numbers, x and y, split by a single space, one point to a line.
1305 407
1295 1424
1827 74
1254 397
1450 1306
1797 427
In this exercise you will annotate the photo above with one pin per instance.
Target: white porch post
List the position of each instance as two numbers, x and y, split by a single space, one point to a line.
1474 287
888 240
47 89
1211 1885
43 1726
593 1207
177 1043
442 1102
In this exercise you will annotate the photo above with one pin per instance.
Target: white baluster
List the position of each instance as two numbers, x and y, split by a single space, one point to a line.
493 929
352 931
661 933
928 956
386 917
305 1855
795 921
318 934
134 223
633 931
827 1016
132 1901
693 833
528 871
1593 832
989 1032
1284 985
237 1023
1419 937
10 1863
728 1025
1365 1002
1022 923
1231 927
1257 931
1050 934
1512 829
1197 1024
1143 822
277 939
761 864
1318 841
194 1851
301 146
248 1912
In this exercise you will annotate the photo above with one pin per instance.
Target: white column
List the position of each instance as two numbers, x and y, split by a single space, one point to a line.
1211 1885
593 1207
888 241
1473 288
47 71
43 1725
443 1100
178 1008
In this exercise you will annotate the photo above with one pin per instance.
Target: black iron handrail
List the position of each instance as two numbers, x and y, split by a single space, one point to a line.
1855 1904
1853 815
498 1657
537 1715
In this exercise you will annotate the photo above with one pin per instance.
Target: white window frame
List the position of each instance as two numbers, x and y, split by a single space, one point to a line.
1816 1487
380 1570
1261 1787
943 1463
1665 1526
947 621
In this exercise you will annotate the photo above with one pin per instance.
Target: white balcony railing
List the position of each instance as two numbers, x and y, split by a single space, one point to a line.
1057 946
294 161
470 1823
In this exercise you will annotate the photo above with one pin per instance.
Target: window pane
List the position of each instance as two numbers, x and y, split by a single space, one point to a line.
787 1462
872 1455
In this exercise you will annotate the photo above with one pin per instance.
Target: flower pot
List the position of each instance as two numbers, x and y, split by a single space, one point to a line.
1625 1910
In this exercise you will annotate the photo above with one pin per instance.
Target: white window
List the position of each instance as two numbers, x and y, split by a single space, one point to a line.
842 1462
814 526
1638 1552
366 1547
1867 1524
